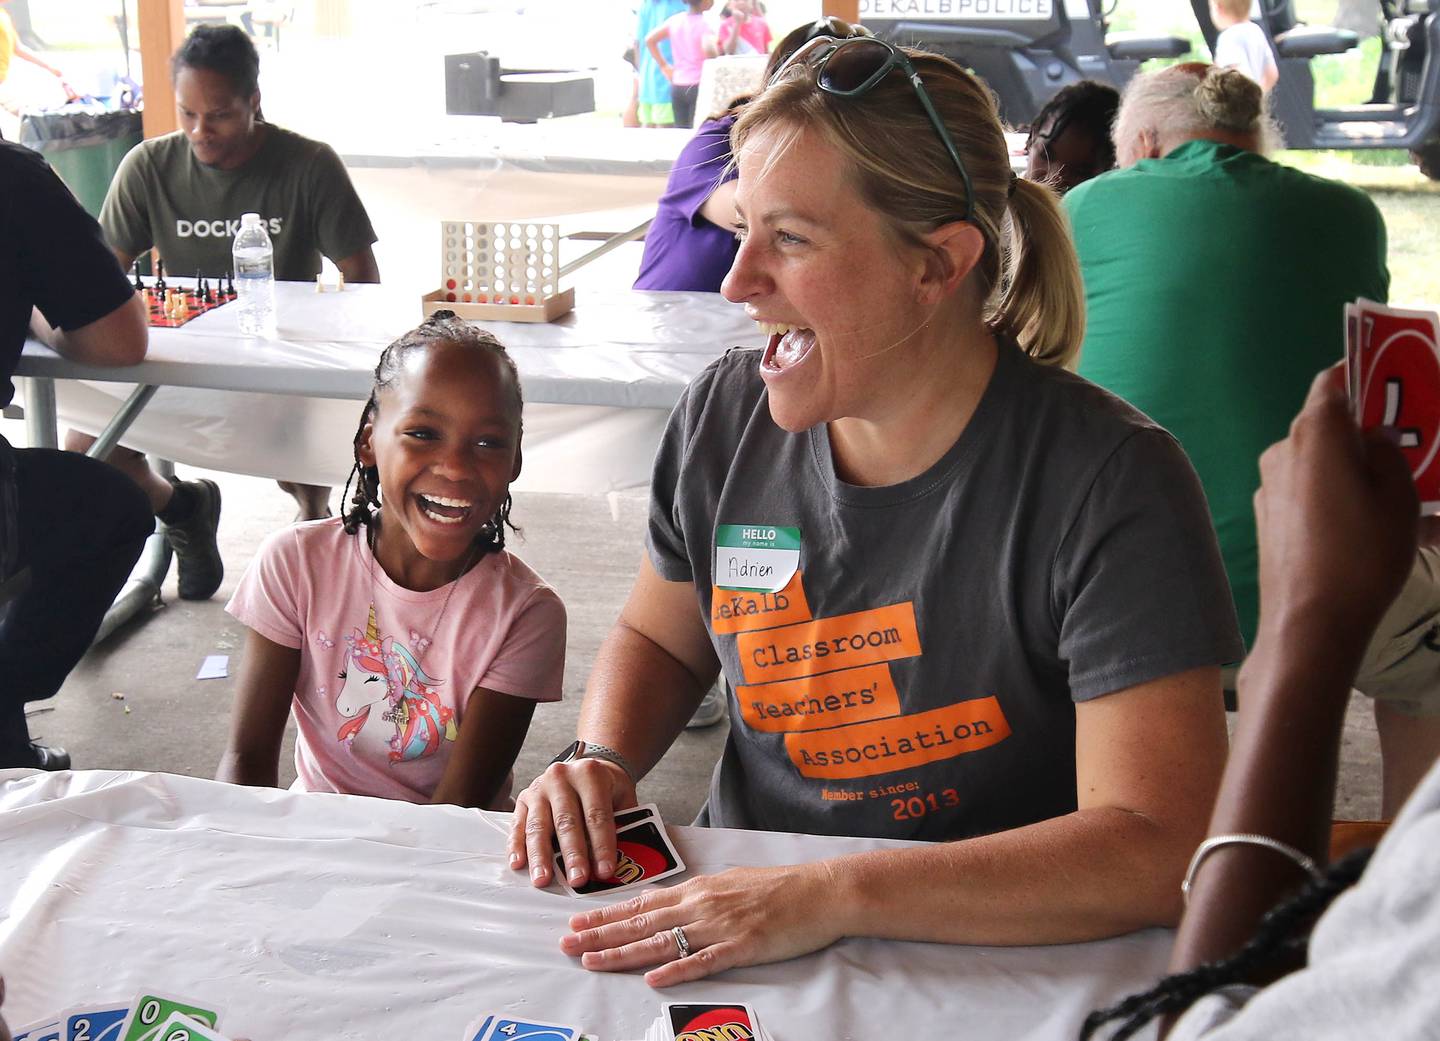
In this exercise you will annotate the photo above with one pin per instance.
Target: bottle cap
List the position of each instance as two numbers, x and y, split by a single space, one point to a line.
248 220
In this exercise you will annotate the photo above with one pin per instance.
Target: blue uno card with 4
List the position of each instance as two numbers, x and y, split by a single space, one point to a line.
506 1029
95 1024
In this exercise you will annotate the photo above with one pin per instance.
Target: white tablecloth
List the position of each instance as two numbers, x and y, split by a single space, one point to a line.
598 383
327 916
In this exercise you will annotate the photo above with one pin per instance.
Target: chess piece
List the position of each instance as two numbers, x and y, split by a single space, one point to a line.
139 284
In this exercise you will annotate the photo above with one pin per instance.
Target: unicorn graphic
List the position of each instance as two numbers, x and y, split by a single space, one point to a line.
385 671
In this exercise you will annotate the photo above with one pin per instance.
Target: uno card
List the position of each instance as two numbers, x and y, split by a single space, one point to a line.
42 1031
91 1023
504 1028
180 1027
644 854
733 1021
1352 363
1398 370
476 1030
149 1012
636 814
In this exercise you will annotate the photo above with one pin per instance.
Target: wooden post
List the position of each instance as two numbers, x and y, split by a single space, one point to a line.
846 10
162 30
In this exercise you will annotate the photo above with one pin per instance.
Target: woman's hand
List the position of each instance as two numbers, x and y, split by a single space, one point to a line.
576 803
744 916
1337 517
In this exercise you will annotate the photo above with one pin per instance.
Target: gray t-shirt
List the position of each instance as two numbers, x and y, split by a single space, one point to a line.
915 678
1374 955
162 196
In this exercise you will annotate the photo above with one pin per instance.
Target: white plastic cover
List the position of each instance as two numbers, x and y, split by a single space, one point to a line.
330 916
598 383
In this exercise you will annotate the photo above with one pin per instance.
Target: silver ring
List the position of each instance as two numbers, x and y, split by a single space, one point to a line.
680 941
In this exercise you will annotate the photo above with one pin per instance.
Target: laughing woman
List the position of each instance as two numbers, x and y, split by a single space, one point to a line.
958 593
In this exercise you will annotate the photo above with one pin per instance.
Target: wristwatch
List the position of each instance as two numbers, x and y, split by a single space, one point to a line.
579 749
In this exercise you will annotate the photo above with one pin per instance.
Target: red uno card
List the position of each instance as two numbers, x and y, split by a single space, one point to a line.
1397 385
733 1021
645 854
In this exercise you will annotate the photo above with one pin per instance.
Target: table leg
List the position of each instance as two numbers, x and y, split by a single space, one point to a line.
40 429
142 588
119 423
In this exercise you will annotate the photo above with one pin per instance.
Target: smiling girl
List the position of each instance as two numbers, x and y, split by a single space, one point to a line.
411 644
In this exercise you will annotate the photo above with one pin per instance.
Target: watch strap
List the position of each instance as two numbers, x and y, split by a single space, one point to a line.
582 749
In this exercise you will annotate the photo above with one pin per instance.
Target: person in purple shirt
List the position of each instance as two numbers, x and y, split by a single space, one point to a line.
691 242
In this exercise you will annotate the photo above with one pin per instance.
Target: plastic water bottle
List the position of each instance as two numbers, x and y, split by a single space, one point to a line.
254 277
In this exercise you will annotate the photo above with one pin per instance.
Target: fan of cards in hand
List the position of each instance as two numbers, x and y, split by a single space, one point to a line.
1392 374
149 1017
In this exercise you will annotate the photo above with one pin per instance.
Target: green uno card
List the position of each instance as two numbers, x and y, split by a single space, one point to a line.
150 1013
180 1027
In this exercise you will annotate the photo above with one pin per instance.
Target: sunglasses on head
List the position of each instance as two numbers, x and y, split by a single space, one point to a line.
856 63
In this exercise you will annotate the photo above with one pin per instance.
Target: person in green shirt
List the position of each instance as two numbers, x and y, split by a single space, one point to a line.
183 194
1215 281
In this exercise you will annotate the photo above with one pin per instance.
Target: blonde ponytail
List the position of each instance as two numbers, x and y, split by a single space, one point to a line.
1042 299
1028 275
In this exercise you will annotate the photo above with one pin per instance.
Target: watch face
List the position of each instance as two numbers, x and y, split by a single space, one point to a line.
572 751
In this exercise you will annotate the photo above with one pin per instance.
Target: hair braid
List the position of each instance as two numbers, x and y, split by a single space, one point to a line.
441 327
1283 930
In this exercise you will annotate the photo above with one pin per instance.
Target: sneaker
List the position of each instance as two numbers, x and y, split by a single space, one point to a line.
711 711
196 555
35 756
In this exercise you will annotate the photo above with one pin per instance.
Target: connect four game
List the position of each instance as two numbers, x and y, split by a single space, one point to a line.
504 271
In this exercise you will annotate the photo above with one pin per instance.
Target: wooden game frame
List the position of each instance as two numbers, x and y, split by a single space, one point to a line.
505 271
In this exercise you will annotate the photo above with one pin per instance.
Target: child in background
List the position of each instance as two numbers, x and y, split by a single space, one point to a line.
411 645
10 49
654 108
1070 141
743 29
1242 44
690 43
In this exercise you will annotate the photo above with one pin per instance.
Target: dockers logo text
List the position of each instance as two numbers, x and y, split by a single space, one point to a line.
220 229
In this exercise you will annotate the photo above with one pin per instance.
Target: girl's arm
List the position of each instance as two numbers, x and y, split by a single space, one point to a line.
729 35
1336 515
35 59
490 737
266 688
652 43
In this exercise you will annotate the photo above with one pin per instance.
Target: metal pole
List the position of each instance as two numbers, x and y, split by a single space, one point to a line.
613 242
40 413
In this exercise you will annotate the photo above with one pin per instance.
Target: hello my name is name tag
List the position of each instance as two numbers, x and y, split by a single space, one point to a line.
759 558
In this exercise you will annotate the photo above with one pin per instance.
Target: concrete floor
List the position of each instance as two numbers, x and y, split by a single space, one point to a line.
586 546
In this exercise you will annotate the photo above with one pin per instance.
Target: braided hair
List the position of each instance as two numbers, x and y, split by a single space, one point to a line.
1283 932
441 327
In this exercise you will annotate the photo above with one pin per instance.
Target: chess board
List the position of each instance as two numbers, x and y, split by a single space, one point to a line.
193 308
501 271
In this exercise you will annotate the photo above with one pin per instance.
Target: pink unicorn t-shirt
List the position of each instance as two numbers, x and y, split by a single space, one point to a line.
386 672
